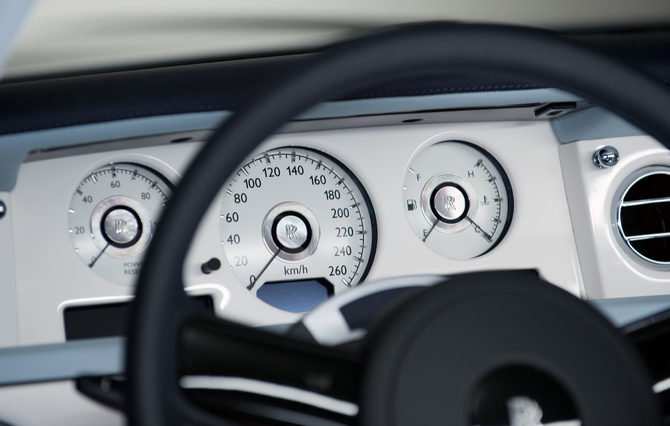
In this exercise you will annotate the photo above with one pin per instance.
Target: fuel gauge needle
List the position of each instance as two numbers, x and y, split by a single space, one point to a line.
486 236
250 286
95 259
431 230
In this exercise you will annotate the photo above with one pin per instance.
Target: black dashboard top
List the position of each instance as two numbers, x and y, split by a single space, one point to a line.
60 101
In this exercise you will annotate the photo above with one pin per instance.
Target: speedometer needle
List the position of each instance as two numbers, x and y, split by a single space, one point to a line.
486 236
266 267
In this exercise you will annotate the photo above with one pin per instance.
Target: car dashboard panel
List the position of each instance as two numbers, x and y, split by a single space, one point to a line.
380 158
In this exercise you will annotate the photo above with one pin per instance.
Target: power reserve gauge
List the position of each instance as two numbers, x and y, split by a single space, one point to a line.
458 199
112 217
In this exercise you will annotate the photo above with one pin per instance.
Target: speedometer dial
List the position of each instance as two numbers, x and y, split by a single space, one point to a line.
297 227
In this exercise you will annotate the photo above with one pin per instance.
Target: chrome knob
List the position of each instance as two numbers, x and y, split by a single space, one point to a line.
450 203
121 227
292 232
604 157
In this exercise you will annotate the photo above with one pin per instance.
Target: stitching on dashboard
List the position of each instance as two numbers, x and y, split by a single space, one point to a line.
442 90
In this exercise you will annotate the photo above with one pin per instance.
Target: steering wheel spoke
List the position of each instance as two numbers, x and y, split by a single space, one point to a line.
229 368
212 347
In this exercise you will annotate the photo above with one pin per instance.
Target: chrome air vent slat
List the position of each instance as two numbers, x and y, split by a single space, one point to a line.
647 201
648 236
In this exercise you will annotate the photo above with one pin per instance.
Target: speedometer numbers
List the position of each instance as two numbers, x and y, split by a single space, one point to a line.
296 227
458 199
112 217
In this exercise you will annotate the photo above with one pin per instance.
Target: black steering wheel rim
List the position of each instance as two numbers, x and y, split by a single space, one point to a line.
161 306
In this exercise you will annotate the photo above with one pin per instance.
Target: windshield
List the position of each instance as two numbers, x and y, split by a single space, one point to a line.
63 36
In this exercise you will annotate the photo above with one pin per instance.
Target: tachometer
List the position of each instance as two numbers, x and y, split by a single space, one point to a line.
296 227
458 199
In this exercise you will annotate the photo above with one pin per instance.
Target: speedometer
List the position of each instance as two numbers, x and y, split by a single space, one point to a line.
297 227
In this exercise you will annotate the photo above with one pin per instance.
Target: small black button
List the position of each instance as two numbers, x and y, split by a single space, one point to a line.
211 265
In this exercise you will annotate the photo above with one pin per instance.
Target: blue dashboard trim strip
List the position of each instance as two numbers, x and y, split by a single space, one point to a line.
62 361
626 310
14 147
592 123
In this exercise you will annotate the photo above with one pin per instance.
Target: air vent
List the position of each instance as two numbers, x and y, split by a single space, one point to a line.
643 216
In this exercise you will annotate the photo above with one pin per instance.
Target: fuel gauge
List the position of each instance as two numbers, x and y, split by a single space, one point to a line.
458 199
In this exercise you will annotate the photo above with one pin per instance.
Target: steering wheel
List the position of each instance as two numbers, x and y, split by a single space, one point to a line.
425 363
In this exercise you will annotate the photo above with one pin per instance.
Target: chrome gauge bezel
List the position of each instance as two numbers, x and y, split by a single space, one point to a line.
312 240
427 205
97 232
297 201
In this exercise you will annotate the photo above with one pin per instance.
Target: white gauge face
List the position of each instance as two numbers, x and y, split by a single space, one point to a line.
112 217
296 227
458 199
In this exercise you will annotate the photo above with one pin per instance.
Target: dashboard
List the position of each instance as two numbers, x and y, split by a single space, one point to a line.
54 216
379 158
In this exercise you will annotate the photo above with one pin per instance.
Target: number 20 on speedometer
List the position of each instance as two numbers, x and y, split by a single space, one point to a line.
296 224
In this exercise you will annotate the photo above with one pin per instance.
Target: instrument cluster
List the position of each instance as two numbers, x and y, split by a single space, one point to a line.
296 225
